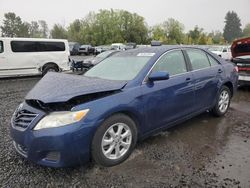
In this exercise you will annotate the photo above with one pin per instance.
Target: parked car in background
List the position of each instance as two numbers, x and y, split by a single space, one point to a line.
100 49
156 43
130 45
241 57
86 49
222 51
74 48
100 57
30 56
118 46
123 99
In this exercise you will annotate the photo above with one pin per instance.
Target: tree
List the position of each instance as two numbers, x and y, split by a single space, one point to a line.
174 31
203 39
246 30
58 32
159 34
195 34
74 31
109 26
217 37
13 26
24 30
34 29
44 30
232 29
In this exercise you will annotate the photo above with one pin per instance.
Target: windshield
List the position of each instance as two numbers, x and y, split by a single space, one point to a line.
104 54
118 68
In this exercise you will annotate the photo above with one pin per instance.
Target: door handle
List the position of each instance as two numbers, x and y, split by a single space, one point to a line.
188 79
220 71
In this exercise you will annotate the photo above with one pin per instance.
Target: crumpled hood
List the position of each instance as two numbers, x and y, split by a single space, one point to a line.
241 47
58 87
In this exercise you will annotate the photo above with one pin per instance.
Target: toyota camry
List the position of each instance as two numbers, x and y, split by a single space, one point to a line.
71 119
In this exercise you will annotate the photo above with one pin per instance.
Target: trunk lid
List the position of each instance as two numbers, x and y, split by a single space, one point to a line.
241 47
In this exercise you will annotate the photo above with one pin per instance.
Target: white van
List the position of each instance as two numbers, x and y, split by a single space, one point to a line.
27 56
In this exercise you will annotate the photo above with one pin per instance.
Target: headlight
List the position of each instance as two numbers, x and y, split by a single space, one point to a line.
58 119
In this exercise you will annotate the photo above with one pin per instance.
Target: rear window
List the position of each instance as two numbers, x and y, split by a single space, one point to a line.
36 46
1 46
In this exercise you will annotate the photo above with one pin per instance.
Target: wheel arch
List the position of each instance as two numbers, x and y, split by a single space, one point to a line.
131 114
230 86
48 64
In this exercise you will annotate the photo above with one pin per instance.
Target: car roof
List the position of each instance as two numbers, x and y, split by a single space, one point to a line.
151 51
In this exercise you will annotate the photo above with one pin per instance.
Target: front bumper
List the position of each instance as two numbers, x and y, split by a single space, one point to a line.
54 148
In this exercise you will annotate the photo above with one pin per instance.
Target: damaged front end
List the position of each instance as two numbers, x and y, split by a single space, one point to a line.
68 105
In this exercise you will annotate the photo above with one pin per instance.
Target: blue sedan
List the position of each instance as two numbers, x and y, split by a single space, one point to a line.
70 119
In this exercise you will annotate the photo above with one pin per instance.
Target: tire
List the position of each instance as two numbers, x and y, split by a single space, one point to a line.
49 68
224 98
113 143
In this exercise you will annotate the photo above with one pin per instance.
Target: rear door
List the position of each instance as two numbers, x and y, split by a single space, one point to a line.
206 77
168 100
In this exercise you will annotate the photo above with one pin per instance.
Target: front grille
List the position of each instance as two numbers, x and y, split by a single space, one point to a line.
23 118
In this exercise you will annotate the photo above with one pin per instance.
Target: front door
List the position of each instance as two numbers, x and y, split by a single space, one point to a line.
168 100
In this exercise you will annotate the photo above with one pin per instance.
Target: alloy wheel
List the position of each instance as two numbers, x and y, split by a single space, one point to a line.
116 141
223 101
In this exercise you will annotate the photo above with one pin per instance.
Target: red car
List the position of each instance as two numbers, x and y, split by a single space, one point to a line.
241 57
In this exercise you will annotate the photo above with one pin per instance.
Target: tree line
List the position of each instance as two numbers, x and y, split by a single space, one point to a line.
109 26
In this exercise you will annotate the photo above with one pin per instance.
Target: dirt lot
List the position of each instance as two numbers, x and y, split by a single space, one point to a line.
203 152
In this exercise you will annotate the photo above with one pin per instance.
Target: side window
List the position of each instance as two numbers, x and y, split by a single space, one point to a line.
51 46
198 59
213 62
36 46
1 46
23 46
172 62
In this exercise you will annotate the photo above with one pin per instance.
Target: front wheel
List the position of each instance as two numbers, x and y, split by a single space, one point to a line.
114 140
222 102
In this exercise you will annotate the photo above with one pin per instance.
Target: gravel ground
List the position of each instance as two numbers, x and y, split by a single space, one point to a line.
203 152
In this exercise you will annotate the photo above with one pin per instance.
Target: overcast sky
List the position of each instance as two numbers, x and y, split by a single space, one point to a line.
208 14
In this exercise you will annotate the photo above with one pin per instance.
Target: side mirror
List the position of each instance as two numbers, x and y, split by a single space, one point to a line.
160 75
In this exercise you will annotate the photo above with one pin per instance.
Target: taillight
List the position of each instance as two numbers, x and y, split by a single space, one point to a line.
236 69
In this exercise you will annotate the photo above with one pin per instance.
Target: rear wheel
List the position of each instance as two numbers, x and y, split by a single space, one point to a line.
49 68
114 140
223 102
